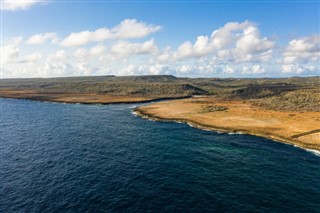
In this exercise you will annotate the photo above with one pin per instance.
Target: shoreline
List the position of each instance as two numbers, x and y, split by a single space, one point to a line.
102 100
279 139
142 113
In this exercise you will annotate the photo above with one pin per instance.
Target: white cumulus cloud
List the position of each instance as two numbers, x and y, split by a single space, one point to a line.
302 55
302 50
95 51
34 57
43 38
235 49
10 49
124 49
127 29
13 5
255 69
60 55
240 42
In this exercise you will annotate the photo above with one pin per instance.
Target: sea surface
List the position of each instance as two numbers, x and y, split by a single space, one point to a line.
101 158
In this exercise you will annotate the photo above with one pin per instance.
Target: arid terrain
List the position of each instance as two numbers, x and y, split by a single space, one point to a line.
299 128
85 98
284 109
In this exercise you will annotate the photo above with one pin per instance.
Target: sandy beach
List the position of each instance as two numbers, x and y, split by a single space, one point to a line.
298 128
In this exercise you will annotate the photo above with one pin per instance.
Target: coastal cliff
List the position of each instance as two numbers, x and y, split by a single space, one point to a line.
211 113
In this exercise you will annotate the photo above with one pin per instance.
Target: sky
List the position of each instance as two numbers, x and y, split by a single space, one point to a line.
251 38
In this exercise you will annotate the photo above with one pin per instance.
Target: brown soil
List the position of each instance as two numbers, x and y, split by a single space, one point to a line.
86 98
298 128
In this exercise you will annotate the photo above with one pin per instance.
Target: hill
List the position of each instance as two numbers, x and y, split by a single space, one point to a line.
296 93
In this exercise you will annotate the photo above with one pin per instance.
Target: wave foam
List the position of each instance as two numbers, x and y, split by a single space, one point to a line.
315 152
134 113
235 133
191 125
179 122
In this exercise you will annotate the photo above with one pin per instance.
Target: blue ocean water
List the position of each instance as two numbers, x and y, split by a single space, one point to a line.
101 158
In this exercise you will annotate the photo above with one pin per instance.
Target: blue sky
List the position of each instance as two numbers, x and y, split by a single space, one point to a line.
254 39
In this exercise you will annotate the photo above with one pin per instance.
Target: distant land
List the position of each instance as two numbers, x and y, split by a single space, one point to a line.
283 109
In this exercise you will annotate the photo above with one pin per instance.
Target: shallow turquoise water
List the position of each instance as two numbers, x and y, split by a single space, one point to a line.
88 158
